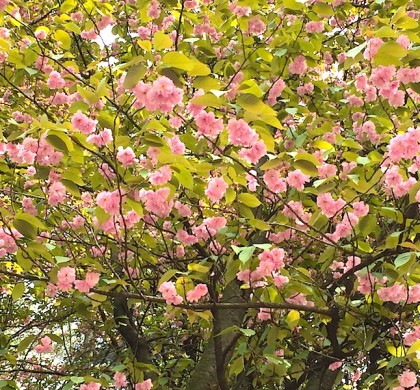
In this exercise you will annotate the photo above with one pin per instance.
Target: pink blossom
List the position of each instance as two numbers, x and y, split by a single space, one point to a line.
264 314
56 193
335 365
168 291
145 385
109 201
407 379
216 189
256 26
161 176
327 170
45 346
254 153
3 4
297 179
404 41
395 293
314 27
90 35
120 379
177 147
208 124
65 278
240 133
275 91
273 181
298 66
157 202
55 81
199 291
81 122
153 11
360 209
126 156
103 138
163 95
372 48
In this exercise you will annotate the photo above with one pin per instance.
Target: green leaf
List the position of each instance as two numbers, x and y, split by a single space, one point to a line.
25 343
292 319
246 253
253 104
352 53
181 61
389 54
167 275
18 291
323 9
87 94
248 332
60 141
134 75
63 37
237 366
162 41
249 200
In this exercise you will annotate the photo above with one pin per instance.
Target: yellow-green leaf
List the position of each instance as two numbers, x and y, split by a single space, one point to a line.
249 200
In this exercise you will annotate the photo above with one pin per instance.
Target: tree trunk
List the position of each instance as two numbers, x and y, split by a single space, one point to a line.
210 372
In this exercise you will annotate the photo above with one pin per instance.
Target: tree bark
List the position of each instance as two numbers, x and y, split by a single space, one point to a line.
138 345
210 372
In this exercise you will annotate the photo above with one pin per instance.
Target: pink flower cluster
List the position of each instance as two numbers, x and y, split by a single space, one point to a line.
407 379
161 176
344 228
65 278
216 189
56 193
157 202
90 281
209 227
145 385
161 95
240 134
314 27
32 150
405 146
198 292
395 184
101 139
297 179
84 124
274 182
329 207
208 124
126 156
411 337
7 241
398 292
275 91
256 26
270 262
55 80
298 66
239 10
120 380
168 291
90 386
109 201
341 268
45 346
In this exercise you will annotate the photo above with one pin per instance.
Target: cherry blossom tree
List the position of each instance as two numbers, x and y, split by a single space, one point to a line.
206 195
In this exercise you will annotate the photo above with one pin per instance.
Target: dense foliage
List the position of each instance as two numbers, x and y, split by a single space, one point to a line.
204 194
